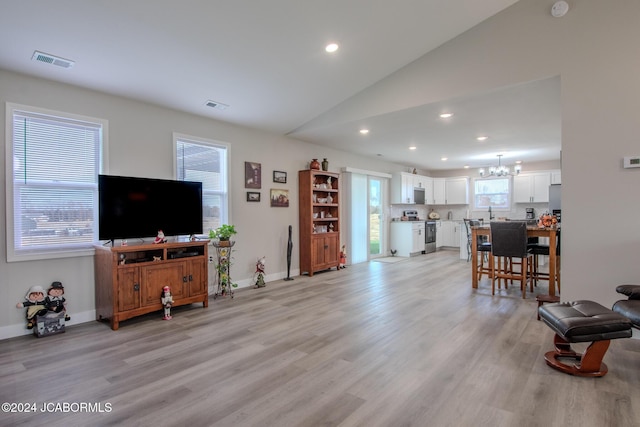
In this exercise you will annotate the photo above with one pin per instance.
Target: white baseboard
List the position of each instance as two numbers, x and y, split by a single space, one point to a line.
18 330
248 283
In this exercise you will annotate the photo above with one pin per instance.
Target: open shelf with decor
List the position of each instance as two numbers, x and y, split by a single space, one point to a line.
319 201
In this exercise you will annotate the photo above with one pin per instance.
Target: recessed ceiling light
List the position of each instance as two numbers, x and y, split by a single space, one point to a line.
331 47
444 159
466 166
413 147
445 115
482 138
518 162
364 131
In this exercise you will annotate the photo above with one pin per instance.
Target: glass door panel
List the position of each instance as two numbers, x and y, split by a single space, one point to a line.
376 218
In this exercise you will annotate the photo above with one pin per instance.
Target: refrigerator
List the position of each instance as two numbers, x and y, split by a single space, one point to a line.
555 191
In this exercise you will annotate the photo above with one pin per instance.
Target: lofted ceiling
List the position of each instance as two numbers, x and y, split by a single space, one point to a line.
266 61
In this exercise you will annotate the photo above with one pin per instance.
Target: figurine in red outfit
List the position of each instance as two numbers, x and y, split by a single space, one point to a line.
167 302
343 257
160 238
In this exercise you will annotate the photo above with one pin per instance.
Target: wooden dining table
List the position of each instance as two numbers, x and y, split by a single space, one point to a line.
532 231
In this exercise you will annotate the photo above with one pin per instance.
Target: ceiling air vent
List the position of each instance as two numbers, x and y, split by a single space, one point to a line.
216 105
52 59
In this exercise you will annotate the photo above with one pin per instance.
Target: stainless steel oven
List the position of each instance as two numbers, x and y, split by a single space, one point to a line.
430 237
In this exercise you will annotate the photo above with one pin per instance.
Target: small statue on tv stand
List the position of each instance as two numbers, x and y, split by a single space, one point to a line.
160 238
55 301
259 274
35 301
167 302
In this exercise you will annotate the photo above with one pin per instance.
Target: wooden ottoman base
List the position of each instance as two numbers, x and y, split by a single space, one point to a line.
589 363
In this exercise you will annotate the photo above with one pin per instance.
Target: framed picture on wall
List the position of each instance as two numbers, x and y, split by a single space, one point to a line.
252 175
279 198
253 196
280 177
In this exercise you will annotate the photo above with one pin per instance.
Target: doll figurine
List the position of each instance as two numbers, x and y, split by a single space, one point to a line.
259 274
343 257
35 303
160 237
55 301
167 302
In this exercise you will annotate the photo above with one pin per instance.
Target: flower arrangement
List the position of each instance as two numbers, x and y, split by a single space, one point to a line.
547 220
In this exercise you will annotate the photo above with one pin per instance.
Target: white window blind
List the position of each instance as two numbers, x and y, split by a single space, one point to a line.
206 162
494 192
55 160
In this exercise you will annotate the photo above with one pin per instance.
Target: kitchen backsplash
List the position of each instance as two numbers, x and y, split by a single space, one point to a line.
459 212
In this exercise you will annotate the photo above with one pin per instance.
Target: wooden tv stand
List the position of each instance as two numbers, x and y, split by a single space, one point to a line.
129 279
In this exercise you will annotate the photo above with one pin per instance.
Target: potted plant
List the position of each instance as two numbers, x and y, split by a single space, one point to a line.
223 234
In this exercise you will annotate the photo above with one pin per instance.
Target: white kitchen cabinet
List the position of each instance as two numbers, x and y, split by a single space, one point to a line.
450 191
407 237
402 188
449 234
439 197
457 191
418 181
439 235
403 184
531 188
428 190
556 177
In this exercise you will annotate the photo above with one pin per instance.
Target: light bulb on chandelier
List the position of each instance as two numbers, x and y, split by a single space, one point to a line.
501 170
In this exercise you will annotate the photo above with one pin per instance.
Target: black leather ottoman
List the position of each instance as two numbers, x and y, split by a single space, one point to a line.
582 321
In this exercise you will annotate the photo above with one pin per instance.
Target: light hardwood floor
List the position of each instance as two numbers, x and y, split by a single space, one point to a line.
376 344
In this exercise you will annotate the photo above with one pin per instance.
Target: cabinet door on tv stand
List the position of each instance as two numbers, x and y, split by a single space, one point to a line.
155 277
128 288
197 278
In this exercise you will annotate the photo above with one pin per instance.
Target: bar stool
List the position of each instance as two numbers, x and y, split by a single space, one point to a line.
484 249
509 240
536 249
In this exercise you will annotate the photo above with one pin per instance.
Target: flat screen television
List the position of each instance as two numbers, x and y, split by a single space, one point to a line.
132 207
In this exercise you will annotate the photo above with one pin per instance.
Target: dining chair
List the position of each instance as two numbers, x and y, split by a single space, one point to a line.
536 249
509 240
484 249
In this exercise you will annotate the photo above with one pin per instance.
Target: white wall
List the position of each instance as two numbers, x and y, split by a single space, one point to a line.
140 144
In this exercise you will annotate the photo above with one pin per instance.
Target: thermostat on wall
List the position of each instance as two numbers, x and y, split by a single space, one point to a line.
632 162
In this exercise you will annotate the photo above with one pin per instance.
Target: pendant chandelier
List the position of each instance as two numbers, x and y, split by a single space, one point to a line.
501 170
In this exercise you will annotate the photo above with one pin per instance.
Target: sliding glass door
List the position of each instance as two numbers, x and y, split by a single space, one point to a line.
376 218
366 215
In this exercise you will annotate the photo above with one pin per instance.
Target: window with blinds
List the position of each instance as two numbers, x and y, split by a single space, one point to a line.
205 161
492 192
54 159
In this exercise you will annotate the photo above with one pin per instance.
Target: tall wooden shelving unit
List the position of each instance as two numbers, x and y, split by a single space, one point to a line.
319 199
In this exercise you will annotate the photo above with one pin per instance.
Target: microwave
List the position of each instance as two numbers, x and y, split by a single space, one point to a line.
418 195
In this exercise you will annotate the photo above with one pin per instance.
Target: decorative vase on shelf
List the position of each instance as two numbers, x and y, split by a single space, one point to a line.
315 164
325 165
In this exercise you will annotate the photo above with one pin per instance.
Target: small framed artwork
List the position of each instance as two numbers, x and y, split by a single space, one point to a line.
253 196
279 198
252 175
280 177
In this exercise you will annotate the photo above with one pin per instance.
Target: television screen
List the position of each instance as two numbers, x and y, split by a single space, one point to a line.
138 207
